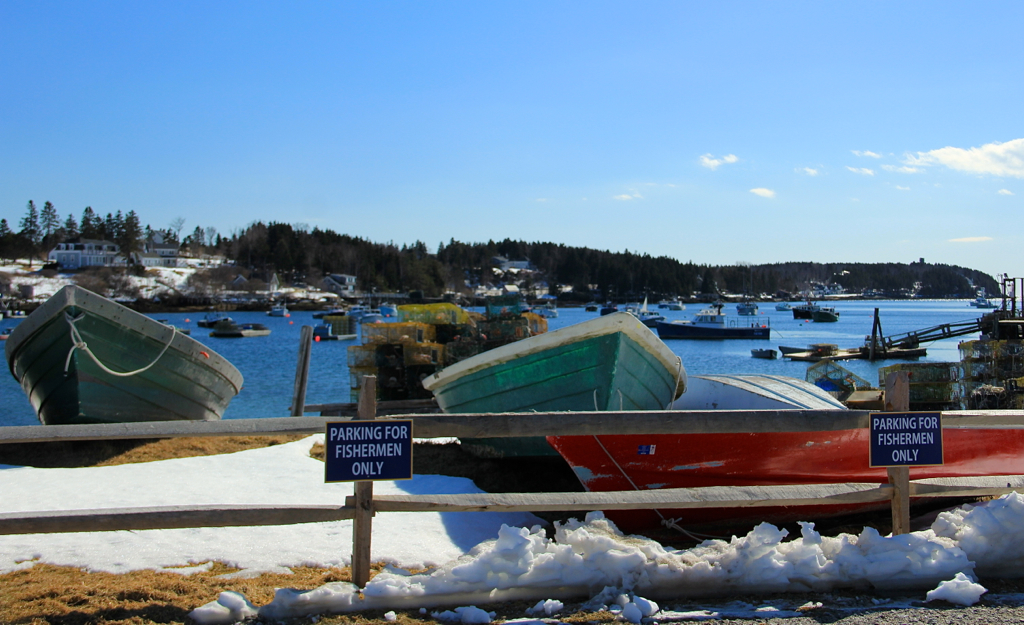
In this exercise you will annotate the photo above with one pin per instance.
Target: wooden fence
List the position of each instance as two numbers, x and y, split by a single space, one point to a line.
363 505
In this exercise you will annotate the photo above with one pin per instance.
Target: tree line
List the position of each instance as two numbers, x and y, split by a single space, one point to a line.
298 254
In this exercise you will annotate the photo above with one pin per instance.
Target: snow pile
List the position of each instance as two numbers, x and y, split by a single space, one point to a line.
592 556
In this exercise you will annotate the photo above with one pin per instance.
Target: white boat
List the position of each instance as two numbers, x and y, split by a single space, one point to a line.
649 318
548 311
981 301
675 305
278 310
783 306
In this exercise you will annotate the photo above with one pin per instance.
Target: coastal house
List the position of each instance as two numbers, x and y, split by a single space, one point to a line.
86 253
340 283
504 264
158 251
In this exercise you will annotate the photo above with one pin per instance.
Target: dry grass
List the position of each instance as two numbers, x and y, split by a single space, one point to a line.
58 595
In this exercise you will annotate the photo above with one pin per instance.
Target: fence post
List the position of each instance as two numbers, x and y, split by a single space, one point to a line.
362 523
302 371
897 399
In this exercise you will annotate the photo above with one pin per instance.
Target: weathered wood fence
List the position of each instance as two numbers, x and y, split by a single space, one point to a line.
362 507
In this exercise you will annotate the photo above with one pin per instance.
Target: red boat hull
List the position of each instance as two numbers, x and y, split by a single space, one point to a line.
639 462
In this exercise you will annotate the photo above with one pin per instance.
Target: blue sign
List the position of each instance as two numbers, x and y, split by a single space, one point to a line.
906 439
368 450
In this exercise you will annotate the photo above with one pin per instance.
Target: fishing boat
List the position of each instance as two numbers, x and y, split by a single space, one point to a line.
82 358
675 305
591 307
805 311
981 301
278 310
611 362
783 306
611 463
213 318
825 315
325 332
548 310
713 323
766 354
232 330
746 308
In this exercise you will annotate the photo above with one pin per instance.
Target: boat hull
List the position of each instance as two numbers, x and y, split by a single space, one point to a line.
188 381
612 362
760 459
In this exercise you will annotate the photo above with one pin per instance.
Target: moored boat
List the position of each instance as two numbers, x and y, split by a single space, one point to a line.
213 318
713 323
825 315
278 310
232 330
767 354
611 362
746 308
82 358
325 332
804 311
783 306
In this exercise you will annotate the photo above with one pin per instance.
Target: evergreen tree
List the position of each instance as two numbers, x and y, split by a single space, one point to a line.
8 242
91 225
130 239
49 223
70 227
30 230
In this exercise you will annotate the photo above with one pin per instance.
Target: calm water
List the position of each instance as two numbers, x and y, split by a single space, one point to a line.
268 363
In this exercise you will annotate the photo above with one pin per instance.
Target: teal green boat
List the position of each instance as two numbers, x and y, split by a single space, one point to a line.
612 362
82 358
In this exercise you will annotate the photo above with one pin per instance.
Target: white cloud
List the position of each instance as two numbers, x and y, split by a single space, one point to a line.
866 153
810 171
624 196
903 188
904 169
861 170
541 199
763 192
997 159
971 240
712 163
1004 192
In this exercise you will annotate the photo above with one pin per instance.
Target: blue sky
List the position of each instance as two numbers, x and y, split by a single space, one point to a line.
717 132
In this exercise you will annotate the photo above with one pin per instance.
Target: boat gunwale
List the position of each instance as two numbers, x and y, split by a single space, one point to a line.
89 302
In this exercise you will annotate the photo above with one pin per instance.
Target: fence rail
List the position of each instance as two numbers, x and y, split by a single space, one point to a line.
363 505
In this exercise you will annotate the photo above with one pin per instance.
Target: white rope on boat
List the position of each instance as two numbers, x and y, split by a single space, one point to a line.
77 342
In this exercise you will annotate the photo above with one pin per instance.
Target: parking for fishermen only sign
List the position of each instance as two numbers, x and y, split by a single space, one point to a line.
368 450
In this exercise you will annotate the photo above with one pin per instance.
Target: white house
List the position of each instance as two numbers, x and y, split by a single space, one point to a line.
158 252
86 253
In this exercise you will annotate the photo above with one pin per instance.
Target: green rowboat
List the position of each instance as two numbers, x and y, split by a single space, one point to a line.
82 358
613 362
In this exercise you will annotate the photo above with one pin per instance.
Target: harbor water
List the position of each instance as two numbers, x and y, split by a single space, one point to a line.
268 363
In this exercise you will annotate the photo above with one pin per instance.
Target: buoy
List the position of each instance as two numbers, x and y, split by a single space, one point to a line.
287 314
316 339
186 319
290 322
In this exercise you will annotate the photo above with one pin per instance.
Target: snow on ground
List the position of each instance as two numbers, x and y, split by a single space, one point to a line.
483 557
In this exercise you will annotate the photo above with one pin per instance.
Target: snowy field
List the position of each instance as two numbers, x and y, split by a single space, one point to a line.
480 558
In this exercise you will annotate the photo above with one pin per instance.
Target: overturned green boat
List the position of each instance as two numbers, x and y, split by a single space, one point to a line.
613 362
82 358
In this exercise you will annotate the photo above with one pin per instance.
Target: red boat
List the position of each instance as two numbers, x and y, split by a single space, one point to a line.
639 462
